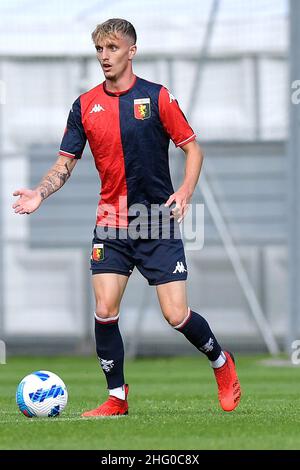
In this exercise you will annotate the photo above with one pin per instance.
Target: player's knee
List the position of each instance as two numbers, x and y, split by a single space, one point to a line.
175 315
106 310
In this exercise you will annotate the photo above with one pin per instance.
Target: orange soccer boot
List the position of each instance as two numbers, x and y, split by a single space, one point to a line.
113 406
229 390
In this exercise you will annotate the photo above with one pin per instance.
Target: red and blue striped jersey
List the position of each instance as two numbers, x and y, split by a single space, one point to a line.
129 134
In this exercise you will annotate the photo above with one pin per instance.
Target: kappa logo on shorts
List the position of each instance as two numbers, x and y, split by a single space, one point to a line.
142 108
98 252
179 268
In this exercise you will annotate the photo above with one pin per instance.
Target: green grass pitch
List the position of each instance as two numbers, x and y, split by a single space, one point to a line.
172 405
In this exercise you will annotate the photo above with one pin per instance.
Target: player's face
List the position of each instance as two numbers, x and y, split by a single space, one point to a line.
114 54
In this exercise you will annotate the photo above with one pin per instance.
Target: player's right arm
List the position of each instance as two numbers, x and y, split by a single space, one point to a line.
31 199
71 149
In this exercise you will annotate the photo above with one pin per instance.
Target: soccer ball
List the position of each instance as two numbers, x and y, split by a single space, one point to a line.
41 394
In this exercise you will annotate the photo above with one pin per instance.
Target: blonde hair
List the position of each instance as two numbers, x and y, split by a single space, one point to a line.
113 26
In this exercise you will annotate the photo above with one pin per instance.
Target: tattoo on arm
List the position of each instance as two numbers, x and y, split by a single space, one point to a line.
54 179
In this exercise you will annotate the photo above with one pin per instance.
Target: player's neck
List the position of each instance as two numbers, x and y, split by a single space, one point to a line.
122 84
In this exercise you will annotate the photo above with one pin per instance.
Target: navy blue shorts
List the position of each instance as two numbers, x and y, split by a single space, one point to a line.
159 260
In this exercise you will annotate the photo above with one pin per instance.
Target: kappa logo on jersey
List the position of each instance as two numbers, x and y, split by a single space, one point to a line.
106 365
97 108
142 108
179 268
172 97
98 252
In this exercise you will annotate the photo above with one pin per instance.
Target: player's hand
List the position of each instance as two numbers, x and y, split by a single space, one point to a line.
28 202
181 198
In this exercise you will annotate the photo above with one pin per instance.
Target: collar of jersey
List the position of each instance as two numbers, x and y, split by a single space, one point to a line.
118 93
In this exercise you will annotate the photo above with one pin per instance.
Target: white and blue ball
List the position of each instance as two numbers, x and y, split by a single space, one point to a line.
41 394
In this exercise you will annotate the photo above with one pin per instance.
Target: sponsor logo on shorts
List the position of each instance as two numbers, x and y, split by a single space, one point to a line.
179 268
98 252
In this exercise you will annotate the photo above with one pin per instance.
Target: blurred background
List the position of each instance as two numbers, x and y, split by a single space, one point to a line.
229 63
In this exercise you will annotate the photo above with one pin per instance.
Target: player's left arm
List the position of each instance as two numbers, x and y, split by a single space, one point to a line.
194 159
179 130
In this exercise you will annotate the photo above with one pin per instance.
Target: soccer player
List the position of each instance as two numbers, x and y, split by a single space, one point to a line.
128 122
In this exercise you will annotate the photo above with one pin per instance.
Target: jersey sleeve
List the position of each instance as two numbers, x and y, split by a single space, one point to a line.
173 119
74 138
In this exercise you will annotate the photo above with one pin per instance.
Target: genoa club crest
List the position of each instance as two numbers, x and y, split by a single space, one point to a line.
142 108
98 252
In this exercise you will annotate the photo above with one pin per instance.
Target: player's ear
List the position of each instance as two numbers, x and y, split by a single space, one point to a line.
132 51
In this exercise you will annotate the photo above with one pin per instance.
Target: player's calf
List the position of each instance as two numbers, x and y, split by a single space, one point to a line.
196 329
